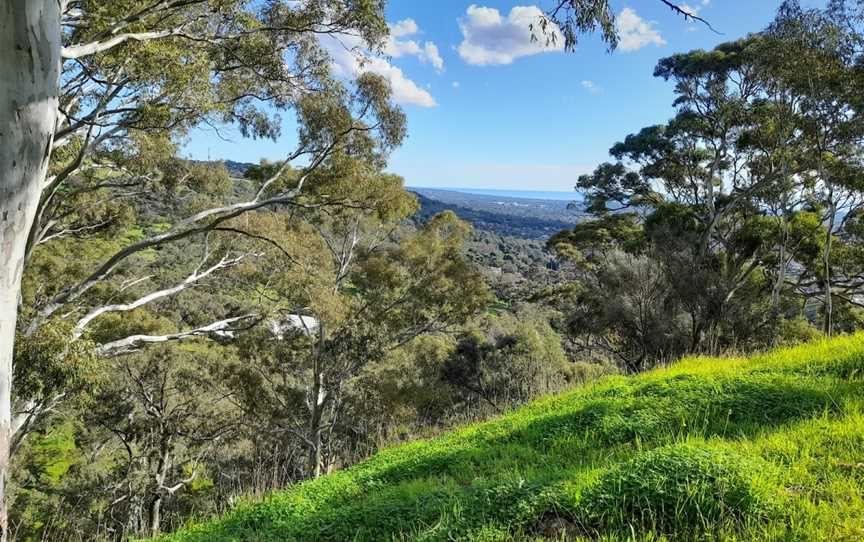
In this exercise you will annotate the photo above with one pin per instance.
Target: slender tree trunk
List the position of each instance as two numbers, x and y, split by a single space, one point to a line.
29 88
828 326
317 404
155 515
154 512
695 333
316 414
781 266
710 197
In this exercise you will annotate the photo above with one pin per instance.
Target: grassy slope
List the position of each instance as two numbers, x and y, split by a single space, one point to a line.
770 448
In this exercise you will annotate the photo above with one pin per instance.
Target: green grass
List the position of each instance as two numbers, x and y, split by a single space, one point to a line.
767 448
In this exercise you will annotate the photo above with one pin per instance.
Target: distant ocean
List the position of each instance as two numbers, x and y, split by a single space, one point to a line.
523 194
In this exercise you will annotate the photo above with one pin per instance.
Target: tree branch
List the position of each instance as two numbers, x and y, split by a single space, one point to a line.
188 227
85 49
133 342
196 276
688 15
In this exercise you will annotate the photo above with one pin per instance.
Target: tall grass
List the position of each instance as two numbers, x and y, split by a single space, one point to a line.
767 448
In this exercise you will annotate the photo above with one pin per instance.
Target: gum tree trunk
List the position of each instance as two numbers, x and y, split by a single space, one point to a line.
29 87
317 404
781 266
828 327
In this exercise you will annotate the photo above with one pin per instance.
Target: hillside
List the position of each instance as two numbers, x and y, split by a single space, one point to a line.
766 448
516 217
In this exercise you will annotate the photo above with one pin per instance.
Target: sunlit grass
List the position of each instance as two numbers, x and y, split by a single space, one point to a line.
767 448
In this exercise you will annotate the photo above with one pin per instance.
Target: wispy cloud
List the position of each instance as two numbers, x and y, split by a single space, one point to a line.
694 11
690 10
396 47
405 27
591 86
350 58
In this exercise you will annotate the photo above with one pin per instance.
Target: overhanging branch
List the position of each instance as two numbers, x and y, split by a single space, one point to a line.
222 327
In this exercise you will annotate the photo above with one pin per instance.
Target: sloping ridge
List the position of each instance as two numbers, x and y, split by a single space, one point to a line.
766 448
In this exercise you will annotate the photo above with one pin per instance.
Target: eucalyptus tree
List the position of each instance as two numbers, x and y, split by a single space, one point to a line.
94 98
774 147
165 418
377 288
567 19
817 60
693 195
707 180
762 158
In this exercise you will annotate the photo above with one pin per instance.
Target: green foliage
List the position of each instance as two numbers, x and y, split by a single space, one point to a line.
405 387
680 490
738 203
508 359
708 448
48 364
54 453
47 462
603 232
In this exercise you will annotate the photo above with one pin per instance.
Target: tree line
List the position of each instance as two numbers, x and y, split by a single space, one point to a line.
736 224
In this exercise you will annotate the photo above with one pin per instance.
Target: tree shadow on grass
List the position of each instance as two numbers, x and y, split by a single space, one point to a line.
474 479
653 413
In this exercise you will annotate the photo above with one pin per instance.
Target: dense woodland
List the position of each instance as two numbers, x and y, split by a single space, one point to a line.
187 334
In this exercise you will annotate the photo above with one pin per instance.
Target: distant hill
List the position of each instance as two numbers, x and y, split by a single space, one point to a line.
515 217
501 203
235 169
508 242
766 448
534 219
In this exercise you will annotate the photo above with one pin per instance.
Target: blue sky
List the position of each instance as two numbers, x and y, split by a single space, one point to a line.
488 109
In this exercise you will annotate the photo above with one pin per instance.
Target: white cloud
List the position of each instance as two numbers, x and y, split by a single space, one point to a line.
405 27
690 10
396 47
591 86
635 33
405 90
349 60
430 53
694 11
489 38
455 84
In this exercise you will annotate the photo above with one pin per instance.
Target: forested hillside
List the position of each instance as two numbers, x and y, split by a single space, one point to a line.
514 217
302 349
509 249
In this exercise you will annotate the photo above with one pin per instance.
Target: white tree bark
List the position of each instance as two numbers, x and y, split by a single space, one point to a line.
132 342
29 88
188 282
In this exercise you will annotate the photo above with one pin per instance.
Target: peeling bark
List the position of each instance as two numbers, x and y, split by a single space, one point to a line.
29 89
